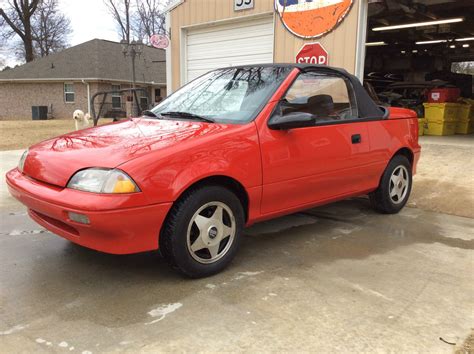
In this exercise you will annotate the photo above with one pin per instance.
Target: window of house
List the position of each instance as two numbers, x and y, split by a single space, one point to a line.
143 102
69 93
116 97
326 97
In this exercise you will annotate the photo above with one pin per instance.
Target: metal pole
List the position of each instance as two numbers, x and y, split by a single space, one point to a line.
134 103
133 68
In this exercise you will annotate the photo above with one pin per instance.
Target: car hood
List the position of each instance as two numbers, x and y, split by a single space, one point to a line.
54 161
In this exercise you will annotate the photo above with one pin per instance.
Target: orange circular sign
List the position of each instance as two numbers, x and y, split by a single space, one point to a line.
312 18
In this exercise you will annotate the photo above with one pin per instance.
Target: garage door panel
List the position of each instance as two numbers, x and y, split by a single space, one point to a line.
240 25
242 43
229 35
201 52
223 62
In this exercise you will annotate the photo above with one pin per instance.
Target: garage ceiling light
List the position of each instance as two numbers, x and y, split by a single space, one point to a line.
432 42
418 24
375 44
465 45
464 39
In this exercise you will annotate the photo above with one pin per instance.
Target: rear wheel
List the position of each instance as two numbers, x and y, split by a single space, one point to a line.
202 232
395 187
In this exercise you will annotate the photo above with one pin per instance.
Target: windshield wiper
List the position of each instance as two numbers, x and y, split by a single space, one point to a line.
149 113
186 115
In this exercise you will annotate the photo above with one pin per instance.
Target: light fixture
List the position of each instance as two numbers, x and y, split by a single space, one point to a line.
464 39
452 46
432 42
375 44
418 24
403 52
414 51
465 45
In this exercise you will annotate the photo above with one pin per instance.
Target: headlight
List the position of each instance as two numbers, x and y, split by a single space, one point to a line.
21 163
101 180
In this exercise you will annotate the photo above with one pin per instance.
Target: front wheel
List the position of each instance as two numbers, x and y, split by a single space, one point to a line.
395 187
202 232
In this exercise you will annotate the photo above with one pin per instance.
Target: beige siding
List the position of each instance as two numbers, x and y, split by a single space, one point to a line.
341 43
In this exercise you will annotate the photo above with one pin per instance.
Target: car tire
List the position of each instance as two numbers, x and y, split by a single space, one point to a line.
394 188
202 231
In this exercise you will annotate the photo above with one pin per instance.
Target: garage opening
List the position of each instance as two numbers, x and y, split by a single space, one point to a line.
228 44
419 54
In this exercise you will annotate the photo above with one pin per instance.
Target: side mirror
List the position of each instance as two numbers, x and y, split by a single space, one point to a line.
291 120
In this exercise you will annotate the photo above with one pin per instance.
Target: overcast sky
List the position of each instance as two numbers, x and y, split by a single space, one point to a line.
89 20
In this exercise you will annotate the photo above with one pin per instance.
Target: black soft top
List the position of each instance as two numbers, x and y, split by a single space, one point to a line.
366 106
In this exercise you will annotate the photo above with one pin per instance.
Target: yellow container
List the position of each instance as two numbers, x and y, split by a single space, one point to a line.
465 127
421 126
464 113
470 102
441 112
440 128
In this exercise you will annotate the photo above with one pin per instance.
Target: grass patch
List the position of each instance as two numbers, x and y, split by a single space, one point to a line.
20 134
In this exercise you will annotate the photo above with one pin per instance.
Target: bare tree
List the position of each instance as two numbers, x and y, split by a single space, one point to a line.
50 29
149 18
121 11
18 16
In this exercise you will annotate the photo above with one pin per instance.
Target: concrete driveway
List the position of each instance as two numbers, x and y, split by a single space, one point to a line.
340 278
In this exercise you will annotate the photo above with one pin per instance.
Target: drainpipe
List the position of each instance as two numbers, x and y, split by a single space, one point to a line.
169 67
88 96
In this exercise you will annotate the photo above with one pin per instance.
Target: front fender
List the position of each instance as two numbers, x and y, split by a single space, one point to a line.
164 175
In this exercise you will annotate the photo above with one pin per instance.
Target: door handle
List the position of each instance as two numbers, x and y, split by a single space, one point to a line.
356 139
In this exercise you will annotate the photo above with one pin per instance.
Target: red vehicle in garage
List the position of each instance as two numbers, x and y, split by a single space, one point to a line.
233 147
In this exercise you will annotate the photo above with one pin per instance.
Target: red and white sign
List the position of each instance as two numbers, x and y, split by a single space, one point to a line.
159 41
313 53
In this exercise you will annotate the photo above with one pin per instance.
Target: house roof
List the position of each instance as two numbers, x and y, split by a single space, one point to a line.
96 59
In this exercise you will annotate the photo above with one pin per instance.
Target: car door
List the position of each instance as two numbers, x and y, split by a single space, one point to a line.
322 162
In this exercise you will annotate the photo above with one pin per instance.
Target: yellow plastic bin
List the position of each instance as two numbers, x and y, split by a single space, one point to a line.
421 126
464 127
464 123
470 102
440 128
464 112
441 112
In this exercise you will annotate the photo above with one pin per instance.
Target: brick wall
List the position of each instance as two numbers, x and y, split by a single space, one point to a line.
16 99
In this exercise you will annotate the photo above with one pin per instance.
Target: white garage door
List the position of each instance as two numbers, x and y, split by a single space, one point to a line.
239 43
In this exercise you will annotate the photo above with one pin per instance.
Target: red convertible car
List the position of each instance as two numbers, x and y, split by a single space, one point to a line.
235 146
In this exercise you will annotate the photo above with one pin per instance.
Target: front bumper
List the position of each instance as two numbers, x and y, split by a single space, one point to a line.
117 224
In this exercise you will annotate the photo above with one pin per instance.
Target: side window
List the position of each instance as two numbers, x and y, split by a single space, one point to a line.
116 97
69 93
327 97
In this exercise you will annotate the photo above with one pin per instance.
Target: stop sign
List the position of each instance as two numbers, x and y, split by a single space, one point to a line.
312 53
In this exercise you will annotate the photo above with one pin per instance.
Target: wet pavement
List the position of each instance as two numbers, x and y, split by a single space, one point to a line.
336 278
339 278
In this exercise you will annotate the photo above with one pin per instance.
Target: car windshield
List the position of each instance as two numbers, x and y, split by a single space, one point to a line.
232 95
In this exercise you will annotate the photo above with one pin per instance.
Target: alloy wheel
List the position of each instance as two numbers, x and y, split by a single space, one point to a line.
399 182
211 232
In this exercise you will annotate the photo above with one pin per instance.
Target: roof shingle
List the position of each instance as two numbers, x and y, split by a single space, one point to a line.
95 59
